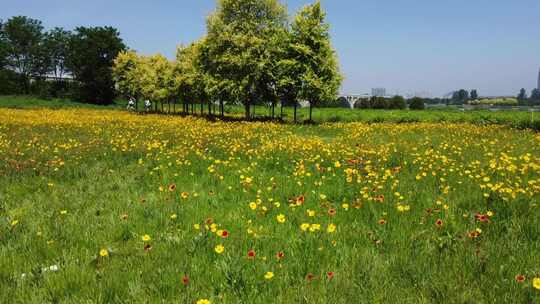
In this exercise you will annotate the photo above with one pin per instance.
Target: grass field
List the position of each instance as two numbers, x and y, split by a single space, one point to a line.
103 206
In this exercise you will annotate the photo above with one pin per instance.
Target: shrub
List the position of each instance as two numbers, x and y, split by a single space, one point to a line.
417 103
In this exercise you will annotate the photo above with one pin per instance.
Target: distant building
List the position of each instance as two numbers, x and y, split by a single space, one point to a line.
379 92
538 86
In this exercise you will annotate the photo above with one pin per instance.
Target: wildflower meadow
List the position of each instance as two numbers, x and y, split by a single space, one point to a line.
102 206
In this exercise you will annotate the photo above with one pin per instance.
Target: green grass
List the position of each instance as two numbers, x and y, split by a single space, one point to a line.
75 181
516 119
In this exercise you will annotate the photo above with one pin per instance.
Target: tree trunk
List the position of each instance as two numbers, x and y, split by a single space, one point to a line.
246 108
281 110
222 110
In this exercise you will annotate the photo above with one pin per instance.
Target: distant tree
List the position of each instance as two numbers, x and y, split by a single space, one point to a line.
474 94
463 95
56 44
416 103
522 95
3 47
22 37
92 51
535 94
398 102
455 97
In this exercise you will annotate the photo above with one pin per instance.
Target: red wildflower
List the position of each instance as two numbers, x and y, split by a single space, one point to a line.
172 187
520 278
147 247
224 234
481 217
209 221
280 255
251 254
185 280
379 198
300 200
382 221
331 211
330 275
310 277
439 223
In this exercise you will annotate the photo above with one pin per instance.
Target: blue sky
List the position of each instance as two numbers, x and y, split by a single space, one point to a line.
404 45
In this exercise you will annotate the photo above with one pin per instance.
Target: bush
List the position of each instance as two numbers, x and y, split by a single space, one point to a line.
397 102
9 83
417 103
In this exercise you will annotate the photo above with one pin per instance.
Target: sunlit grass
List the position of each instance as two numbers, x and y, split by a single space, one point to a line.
107 206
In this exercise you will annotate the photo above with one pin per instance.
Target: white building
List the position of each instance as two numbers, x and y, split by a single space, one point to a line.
378 92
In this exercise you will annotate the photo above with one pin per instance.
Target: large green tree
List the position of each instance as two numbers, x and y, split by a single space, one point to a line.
92 51
22 40
320 74
239 40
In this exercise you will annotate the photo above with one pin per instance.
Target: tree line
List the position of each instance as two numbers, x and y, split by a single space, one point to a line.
250 55
58 62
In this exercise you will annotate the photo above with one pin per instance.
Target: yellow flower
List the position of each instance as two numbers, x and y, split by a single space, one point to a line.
252 205
304 226
310 213
337 164
103 252
331 228
213 227
219 249
197 226
269 275
314 227
345 206
14 223
204 301
146 238
489 213
63 212
173 216
281 218
322 197
536 283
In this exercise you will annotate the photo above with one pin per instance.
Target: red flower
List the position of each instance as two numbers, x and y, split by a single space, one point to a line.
379 198
251 254
310 277
209 221
382 221
330 275
520 278
224 234
185 280
147 247
481 217
172 187
280 255
300 200
439 223
331 211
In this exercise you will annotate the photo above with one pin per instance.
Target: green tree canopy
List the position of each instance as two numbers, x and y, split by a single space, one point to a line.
22 37
91 56
320 74
239 38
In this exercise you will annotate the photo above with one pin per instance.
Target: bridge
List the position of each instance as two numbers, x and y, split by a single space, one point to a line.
353 98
